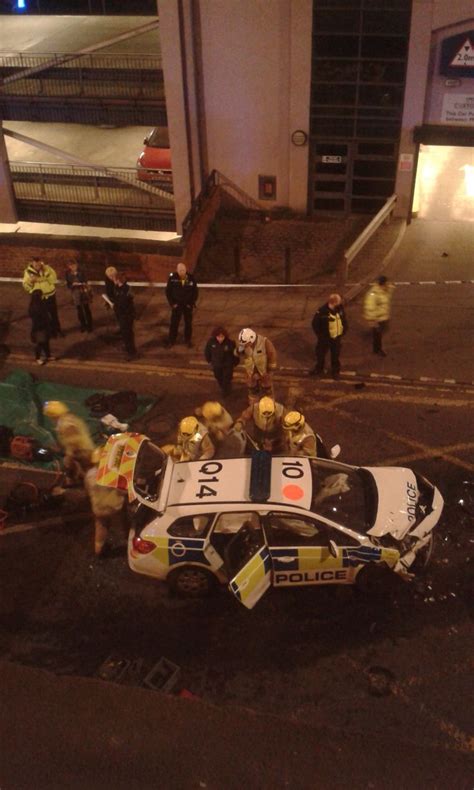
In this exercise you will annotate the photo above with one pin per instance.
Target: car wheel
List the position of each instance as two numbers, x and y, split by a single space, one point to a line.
191 582
374 579
423 557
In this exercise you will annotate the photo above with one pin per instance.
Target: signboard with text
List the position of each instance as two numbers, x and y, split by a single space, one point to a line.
457 55
458 108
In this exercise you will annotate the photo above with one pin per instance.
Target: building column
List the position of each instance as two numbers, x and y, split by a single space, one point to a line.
7 198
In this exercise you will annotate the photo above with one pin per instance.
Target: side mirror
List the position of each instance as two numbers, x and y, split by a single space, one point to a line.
334 551
334 451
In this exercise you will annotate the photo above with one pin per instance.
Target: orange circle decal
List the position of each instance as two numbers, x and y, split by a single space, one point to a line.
292 492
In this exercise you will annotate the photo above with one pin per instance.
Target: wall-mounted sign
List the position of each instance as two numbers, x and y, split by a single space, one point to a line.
458 108
405 162
331 160
299 137
457 55
452 83
267 187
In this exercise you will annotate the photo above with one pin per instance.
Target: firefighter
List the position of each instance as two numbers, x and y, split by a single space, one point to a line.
193 443
107 504
299 438
73 436
216 419
263 423
259 357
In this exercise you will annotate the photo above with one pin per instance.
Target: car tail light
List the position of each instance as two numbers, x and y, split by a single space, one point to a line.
143 546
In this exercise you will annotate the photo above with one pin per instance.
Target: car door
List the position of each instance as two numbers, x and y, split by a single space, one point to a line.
305 551
248 563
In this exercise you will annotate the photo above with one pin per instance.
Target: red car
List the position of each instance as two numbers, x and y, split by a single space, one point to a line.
154 162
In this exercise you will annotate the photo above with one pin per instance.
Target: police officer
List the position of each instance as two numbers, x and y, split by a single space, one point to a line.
193 443
377 307
263 422
182 294
259 357
299 438
329 325
39 276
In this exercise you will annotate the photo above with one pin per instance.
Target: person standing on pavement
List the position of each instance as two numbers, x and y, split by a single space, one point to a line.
329 325
39 276
40 328
221 356
182 294
76 281
124 309
377 309
259 357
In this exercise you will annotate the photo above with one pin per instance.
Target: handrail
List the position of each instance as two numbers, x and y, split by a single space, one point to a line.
368 232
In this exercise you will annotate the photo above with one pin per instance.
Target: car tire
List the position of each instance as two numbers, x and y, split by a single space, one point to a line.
191 582
374 579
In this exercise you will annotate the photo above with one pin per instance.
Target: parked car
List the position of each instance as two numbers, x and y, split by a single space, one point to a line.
263 521
154 162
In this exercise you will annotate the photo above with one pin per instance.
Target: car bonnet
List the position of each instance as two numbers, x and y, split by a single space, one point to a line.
398 495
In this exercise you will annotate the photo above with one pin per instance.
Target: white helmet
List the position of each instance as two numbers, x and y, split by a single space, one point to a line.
247 336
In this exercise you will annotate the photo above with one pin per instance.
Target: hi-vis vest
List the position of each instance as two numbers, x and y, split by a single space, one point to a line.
256 357
197 447
45 281
335 325
302 444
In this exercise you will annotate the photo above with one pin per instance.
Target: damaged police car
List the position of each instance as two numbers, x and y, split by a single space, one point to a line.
253 523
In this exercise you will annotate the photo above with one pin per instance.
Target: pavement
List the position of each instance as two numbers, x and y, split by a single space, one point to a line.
65 732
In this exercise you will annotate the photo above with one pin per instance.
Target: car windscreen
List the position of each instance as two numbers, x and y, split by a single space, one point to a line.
148 471
343 494
158 138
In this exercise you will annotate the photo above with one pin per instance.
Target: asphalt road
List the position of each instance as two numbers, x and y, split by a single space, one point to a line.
397 665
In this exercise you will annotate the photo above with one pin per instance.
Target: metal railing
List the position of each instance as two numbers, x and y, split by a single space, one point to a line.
86 76
215 180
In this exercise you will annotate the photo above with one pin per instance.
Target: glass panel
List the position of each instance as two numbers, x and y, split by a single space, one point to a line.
334 94
385 5
385 21
331 150
377 71
381 96
378 129
336 21
332 127
329 204
376 149
372 187
322 167
330 186
336 46
367 205
384 47
335 70
375 168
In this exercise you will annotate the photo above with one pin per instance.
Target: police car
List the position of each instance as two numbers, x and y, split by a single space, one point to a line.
253 523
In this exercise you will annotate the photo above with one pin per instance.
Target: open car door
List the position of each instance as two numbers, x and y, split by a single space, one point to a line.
249 564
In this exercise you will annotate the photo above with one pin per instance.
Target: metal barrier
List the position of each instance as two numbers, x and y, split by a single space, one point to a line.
104 196
87 76
383 215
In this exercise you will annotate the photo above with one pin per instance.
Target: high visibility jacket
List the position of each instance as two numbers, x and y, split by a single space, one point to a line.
335 325
301 443
44 280
260 357
104 501
198 447
73 435
377 302
329 323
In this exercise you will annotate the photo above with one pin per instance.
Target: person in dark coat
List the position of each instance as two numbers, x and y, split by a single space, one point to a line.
76 281
124 310
40 327
182 294
220 354
329 325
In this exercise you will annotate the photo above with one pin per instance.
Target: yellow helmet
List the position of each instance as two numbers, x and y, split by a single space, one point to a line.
188 426
211 409
54 409
266 406
293 421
